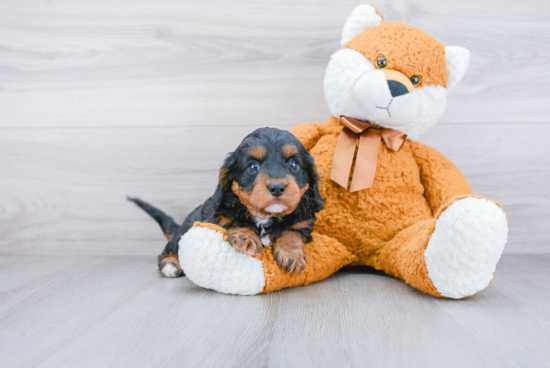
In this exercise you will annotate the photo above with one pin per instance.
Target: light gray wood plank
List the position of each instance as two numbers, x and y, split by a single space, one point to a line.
353 320
178 324
120 312
173 63
512 317
57 309
64 190
22 278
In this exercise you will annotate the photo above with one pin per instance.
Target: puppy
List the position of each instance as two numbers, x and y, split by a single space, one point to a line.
267 195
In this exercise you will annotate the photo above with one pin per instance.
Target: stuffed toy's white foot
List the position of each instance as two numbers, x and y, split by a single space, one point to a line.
211 262
465 247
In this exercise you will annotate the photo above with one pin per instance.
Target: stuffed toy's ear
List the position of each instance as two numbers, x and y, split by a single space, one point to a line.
362 18
458 60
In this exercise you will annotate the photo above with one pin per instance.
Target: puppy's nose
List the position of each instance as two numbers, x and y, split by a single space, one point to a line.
397 88
277 189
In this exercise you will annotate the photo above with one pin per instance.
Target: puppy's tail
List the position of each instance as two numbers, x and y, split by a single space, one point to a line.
167 223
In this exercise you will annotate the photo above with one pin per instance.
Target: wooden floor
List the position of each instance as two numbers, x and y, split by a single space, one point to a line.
77 311
103 99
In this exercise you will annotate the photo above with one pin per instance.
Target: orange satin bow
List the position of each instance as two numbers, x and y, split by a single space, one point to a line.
369 137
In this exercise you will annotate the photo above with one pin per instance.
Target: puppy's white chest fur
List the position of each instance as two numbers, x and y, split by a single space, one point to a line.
262 223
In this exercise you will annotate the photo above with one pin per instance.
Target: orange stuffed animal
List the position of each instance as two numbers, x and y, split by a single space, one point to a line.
390 202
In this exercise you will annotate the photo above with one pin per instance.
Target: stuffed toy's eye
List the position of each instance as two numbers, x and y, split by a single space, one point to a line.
253 167
381 62
293 165
415 80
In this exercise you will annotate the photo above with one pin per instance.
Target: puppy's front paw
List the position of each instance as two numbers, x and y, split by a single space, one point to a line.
245 240
289 252
291 261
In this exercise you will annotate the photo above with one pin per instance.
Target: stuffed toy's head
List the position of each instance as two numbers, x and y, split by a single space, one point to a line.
391 74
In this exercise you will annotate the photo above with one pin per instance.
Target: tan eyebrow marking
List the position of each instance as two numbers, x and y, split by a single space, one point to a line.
258 152
289 150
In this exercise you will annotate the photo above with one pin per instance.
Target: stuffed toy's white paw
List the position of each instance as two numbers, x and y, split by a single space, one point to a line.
465 247
211 262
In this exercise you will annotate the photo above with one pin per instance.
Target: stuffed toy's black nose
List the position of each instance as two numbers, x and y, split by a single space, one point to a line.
397 88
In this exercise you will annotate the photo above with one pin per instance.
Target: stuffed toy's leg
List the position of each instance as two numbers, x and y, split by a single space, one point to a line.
210 261
455 254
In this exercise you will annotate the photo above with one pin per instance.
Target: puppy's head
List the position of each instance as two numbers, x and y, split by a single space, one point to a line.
271 172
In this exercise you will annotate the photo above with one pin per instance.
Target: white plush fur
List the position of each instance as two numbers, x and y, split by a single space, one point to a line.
355 88
458 60
343 71
465 247
211 262
170 270
362 18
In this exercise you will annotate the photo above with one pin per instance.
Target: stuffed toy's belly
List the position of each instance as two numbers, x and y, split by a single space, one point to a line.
366 220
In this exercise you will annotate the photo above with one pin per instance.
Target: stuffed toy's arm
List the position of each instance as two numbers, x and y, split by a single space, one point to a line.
211 262
443 182
308 134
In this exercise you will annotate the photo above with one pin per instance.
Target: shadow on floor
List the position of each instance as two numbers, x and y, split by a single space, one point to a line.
362 269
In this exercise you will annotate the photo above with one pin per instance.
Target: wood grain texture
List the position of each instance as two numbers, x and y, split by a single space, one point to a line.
64 190
118 311
174 63
103 99
99 100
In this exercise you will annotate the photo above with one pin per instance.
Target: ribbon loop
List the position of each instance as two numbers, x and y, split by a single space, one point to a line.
356 126
369 137
393 139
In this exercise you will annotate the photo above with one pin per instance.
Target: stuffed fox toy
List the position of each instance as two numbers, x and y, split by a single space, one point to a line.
390 202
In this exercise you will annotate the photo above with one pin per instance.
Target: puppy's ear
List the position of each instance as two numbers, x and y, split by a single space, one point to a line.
315 198
314 195
226 177
227 172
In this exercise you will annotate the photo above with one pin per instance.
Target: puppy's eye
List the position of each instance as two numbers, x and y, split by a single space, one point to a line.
381 62
253 167
415 80
293 165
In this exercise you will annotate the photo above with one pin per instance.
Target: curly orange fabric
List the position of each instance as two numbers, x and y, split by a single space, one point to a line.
324 257
394 40
387 226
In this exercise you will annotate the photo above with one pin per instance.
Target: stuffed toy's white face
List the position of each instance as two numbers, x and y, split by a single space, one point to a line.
389 79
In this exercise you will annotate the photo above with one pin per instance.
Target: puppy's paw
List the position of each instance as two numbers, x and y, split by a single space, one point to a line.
289 252
291 261
170 270
245 240
169 266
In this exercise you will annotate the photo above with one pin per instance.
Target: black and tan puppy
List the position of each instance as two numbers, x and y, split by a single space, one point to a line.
267 196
